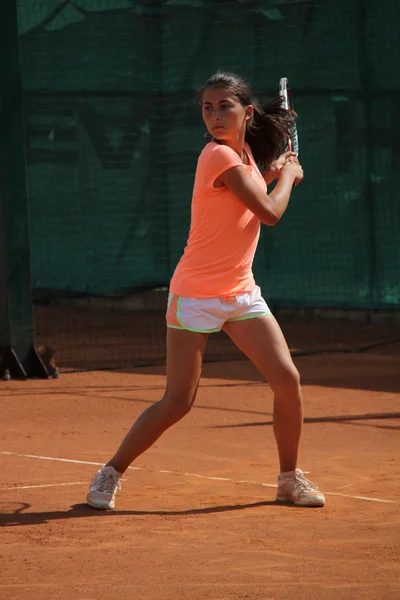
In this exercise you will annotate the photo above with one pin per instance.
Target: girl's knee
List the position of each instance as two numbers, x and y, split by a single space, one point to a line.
288 380
176 408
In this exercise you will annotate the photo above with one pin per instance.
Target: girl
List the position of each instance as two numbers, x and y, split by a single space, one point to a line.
213 286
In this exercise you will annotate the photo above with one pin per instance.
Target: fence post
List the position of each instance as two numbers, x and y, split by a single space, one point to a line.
18 357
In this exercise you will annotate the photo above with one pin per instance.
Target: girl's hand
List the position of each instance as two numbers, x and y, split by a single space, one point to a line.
294 168
277 165
275 168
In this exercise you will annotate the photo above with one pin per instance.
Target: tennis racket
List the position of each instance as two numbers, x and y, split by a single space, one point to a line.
287 102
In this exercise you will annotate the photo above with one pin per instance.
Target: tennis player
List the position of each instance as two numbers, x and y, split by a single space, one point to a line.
213 287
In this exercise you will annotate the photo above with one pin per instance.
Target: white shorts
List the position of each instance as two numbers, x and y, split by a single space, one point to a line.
208 315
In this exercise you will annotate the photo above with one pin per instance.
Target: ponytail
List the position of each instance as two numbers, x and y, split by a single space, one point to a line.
268 132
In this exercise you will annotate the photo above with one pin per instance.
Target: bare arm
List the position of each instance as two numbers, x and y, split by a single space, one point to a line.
269 175
269 208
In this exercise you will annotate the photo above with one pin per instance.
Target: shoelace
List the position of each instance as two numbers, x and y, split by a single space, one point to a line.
107 483
304 483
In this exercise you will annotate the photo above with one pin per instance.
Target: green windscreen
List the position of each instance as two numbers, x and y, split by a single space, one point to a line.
113 134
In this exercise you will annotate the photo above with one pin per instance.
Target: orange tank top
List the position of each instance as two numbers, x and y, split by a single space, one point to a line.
223 237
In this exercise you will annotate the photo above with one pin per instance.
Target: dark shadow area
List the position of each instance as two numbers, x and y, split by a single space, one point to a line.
345 419
79 511
90 337
374 425
87 389
359 372
74 392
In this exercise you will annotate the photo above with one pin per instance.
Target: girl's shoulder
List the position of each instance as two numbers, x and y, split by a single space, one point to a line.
213 153
213 161
213 148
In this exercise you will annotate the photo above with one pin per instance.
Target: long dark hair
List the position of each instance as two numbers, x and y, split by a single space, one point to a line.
267 133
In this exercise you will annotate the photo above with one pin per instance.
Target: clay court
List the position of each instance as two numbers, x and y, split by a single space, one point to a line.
100 135
196 518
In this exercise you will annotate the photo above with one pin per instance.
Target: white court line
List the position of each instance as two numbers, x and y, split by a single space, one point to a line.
45 485
209 478
68 460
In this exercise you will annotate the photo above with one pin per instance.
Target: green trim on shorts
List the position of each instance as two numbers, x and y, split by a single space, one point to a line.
170 298
265 314
194 330
178 308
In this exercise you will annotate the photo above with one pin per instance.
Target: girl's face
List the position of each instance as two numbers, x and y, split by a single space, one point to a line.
225 117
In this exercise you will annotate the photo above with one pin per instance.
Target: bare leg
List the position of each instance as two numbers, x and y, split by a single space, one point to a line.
262 340
185 350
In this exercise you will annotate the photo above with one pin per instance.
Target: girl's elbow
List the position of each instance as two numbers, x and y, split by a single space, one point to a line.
270 219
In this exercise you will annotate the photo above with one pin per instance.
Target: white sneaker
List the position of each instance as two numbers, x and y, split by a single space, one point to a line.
103 488
294 488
